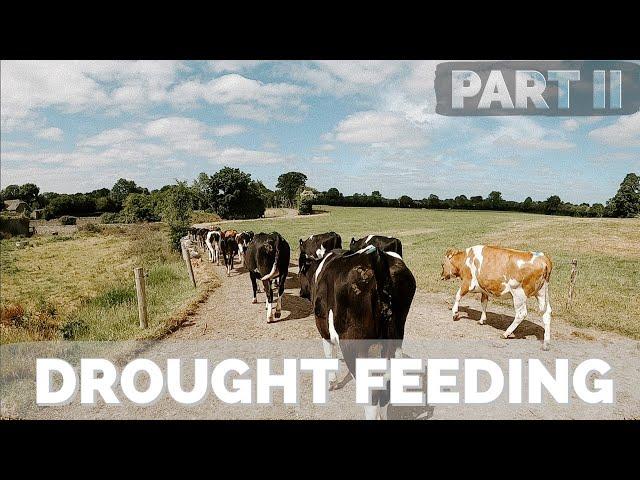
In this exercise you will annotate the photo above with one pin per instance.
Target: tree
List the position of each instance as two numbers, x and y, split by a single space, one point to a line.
237 196
433 201
11 192
552 204
291 183
29 193
176 211
495 200
626 202
122 188
405 201
596 210
204 194
138 207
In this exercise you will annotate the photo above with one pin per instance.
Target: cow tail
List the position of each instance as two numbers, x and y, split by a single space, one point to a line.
274 270
384 290
547 269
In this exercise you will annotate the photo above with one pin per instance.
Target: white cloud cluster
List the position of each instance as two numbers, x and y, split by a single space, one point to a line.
625 132
162 146
72 86
54 134
517 133
377 129
242 97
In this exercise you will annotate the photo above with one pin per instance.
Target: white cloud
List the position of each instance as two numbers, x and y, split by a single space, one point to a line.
625 132
340 78
221 66
378 129
242 97
327 147
570 125
229 129
52 133
523 133
110 137
505 162
321 159
242 156
73 86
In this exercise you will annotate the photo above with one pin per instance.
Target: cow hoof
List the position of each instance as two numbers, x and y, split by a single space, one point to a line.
545 346
481 322
455 317
334 385
504 336
277 314
255 300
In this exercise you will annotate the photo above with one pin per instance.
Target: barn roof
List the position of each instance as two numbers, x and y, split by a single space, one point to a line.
13 205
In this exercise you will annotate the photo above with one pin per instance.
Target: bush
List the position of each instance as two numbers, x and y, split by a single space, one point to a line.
74 329
67 220
110 217
200 216
90 228
14 225
305 202
177 212
115 296
139 207
12 315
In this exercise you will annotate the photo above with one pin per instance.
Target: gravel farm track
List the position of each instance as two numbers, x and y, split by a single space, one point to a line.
228 315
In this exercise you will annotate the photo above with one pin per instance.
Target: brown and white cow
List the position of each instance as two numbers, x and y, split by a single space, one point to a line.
496 271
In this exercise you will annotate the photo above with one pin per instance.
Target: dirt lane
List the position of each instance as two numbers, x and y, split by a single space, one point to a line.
228 325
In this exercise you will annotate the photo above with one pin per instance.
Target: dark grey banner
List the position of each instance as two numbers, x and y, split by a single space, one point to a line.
556 88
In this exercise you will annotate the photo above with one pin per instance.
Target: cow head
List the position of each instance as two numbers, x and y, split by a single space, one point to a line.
306 269
450 267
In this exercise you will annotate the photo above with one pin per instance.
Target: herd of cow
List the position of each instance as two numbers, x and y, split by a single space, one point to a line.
364 294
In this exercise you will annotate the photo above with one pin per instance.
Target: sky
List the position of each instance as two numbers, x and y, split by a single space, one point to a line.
359 126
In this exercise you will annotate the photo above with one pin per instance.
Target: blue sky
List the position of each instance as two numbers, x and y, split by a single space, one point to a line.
355 125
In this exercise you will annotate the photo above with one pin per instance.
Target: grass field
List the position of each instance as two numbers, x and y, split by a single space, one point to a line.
81 286
608 252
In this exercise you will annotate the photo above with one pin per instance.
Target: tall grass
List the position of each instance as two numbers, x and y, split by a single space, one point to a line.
88 279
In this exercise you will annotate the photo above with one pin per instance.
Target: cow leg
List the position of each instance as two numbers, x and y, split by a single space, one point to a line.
462 291
520 305
269 301
371 412
545 307
484 299
254 286
328 348
281 284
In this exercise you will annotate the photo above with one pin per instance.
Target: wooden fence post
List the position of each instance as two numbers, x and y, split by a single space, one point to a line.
187 260
141 292
572 282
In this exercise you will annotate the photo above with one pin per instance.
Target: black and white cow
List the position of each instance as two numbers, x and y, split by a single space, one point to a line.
228 249
267 258
360 301
212 243
386 244
243 239
317 245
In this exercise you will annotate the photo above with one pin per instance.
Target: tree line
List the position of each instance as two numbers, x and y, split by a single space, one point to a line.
233 194
625 203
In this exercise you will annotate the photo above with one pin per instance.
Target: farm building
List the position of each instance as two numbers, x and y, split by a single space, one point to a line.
15 206
37 214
